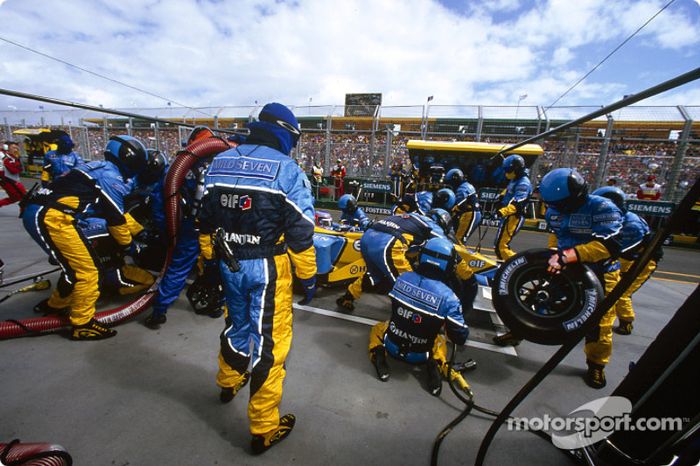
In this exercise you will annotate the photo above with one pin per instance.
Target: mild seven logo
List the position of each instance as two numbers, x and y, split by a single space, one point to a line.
245 167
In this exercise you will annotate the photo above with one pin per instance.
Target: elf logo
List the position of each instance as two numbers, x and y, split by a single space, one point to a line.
236 201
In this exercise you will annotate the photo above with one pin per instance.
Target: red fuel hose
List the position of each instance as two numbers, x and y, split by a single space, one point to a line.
36 454
184 160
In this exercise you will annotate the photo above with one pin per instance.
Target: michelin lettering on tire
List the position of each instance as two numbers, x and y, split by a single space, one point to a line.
507 272
569 298
589 304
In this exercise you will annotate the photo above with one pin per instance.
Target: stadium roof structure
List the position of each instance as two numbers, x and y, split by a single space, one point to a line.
471 147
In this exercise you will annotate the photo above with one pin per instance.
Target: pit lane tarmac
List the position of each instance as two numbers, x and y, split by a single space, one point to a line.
149 397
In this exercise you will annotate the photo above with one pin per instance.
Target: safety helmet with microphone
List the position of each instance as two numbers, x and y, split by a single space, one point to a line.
514 166
454 177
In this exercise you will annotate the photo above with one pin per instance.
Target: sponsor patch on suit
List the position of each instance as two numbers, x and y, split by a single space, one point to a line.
245 167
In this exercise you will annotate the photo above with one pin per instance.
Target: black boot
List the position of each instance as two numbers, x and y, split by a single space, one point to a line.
378 358
44 308
347 302
93 330
216 313
155 320
595 377
624 328
261 443
507 339
468 365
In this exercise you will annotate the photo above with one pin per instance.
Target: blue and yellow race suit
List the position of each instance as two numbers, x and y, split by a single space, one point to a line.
594 231
262 202
116 276
466 212
420 307
56 164
514 201
384 247
635 237
97 188
357 218
186 249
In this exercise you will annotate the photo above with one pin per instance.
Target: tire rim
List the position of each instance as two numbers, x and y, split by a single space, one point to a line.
544 295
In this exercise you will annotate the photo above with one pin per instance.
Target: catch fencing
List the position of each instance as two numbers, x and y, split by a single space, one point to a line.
629 145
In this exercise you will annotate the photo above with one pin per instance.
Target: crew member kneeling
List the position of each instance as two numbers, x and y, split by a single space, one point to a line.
386 248
421 303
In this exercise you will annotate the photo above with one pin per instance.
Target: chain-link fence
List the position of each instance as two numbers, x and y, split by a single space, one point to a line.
628 145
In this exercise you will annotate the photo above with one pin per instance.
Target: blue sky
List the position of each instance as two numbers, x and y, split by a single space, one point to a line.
215 53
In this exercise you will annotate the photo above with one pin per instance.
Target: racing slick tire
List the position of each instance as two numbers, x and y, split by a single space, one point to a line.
542 307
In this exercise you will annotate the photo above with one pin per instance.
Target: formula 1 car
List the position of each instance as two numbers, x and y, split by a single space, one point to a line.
339 261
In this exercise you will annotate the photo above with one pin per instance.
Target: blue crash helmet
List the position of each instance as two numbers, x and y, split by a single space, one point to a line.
128 154
279 120
613 193
347 203
424 202
514 163
438 252
563 189
64 144
454 177
444 199
442 218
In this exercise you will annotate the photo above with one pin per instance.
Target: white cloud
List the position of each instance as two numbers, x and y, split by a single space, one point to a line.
502 5
686 95
233 53
562 56
671 29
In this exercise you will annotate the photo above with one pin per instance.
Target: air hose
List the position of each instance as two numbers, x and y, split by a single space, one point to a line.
184 160
469 406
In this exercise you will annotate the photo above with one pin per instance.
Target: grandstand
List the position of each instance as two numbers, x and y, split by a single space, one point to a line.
629 144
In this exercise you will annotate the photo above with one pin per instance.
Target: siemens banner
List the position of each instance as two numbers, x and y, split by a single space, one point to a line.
651 208
376 187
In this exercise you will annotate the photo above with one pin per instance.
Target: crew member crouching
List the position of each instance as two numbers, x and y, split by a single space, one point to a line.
96 189
422 303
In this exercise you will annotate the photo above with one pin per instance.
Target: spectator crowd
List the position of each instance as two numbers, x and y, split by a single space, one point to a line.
630 161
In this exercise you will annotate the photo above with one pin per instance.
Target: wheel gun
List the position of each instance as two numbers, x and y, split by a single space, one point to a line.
223 251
